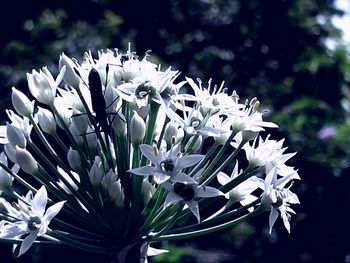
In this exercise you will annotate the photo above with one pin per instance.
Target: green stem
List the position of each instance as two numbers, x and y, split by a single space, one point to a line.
152 118
216 219
219 155
209 230
74 243
223 165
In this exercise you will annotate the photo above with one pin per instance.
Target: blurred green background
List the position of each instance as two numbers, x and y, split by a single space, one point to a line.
272 49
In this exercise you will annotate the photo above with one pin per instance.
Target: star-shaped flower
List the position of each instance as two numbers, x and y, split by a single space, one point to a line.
31 218
187 192
166 164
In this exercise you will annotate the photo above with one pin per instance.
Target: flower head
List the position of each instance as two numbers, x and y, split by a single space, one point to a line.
31 219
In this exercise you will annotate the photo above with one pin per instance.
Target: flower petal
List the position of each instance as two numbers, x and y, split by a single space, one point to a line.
208 191
189 160
27 243
193 206
160 178
223 178
40 200
145 170
171 198
148 151
52 211
272 218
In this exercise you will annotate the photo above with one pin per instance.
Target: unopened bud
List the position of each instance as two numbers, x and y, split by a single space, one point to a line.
194 146
116 194
137 129
96 172
74 159
119 125
15 136
108 180
21 103
26 161
46 120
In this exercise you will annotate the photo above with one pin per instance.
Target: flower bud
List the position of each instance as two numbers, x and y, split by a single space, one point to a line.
96 172
194 146
46 120
147 190
119 125
108 180
137 129
74 130
15 136
74 159
10 152
26 161
91 139
70 77
21 103
80 122
116 194
173 131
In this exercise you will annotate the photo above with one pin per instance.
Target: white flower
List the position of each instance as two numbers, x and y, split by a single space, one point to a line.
147 83
43 86
167 164
277 198
194 122
70 77
243 192
187 192
269 153
213 99
31 219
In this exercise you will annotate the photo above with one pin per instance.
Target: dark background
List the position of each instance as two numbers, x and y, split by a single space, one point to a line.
272 49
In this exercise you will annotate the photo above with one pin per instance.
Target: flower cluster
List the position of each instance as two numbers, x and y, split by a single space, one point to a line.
126 156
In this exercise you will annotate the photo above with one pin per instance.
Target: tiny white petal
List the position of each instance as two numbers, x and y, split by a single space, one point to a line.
27 243
171 198
40 200
193 206
272 218
52 211
145 170
208 191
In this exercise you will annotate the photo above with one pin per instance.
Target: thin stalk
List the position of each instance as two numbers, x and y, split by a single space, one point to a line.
152 118
214 220
219 155
74 243
209 230
223 165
